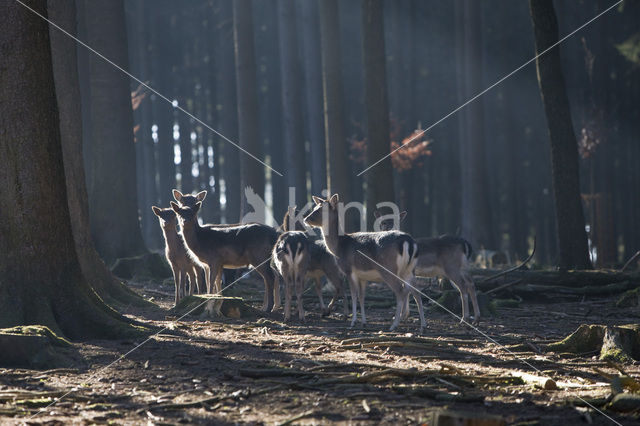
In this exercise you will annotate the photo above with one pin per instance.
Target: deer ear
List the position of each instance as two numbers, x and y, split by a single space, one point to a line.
334 200
177 195
200 195
156 210
198 205
403 214
317 200
175 207
376 214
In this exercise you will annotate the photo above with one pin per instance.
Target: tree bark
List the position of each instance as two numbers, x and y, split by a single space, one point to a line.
335 141
572 238
65 71
41 281
113 200
295 163
313 93
379 179
476 213
251 172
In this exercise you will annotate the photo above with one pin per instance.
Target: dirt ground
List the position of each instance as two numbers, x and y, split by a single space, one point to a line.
263 371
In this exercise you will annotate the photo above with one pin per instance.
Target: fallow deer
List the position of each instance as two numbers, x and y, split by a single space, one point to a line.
290 258
176 253
321 263
386 256
230 247
447 256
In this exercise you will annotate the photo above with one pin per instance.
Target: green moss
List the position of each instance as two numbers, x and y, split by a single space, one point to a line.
629 299
587 338
37 330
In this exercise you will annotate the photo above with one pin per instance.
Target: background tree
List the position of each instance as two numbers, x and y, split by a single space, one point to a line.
380 182
41 280
572 239
113 199
291 102
335 139
251 173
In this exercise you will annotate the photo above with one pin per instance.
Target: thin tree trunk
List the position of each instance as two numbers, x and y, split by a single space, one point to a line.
113 200
313 93
572 237
291 105
42 282
161 65
228 112
380 178
251 172
335 141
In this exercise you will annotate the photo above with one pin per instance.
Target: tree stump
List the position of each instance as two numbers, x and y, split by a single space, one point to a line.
146 266
615 343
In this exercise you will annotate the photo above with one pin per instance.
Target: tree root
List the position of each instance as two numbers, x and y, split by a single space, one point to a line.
615 343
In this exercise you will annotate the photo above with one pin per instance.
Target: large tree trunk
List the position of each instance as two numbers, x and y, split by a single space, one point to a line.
313 93
251 172
65 70
113 200
335 140
380 178
41 281
291 106
572 238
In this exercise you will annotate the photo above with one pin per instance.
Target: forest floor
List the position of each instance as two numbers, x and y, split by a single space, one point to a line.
263 371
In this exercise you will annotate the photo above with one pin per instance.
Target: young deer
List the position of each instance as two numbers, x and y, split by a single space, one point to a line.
230 247
388 256
446 256
176 252
321 263
290 258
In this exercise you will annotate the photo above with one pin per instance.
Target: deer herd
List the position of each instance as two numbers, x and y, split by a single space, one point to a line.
199 253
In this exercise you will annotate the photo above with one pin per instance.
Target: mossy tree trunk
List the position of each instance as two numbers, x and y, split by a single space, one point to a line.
41 281
113 198
65 71
572 237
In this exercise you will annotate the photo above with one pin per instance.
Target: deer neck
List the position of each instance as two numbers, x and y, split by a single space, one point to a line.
171 237
331 232
190 232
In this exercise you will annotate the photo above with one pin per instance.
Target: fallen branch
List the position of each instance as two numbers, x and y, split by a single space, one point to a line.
503 286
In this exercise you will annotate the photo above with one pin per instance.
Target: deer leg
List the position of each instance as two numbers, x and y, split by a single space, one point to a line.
418 298
317 282
362 288
299 290
353 288
471 290
207 278
277 298
192 280
268 277
287 295
215 279
176 282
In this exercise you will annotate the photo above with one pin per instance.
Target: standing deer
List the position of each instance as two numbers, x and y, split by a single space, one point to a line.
290 258
321 263
176 253
228 247
386 256
447 256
